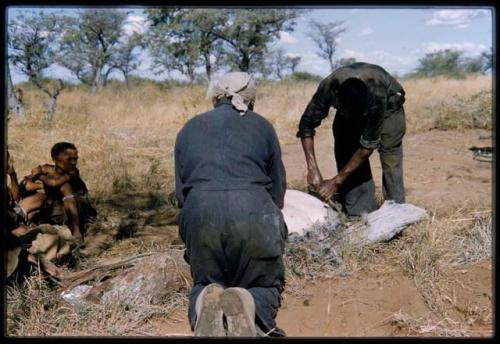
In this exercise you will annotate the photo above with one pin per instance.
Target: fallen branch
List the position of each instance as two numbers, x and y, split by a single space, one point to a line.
81 277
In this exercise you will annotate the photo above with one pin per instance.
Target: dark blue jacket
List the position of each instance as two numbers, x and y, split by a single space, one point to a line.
222 150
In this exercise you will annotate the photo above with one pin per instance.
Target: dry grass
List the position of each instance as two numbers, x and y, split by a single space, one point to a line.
125 140
443 103
37 310
438 245
409 326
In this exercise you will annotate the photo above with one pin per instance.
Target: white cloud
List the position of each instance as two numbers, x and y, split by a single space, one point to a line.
458 18
312 63
352 53
389 61
381 56
285 37
366 31
135 23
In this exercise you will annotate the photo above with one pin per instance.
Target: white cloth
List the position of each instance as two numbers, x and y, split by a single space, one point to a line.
239 87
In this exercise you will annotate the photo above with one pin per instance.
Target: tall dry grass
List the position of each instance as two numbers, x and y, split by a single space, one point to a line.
441 103
126 136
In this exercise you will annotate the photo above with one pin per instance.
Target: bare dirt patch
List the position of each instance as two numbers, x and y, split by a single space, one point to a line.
381 300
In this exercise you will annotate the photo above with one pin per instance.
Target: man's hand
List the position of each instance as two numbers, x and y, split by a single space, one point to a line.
329 188
314 178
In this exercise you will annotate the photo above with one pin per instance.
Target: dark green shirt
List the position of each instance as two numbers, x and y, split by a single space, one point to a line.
384 93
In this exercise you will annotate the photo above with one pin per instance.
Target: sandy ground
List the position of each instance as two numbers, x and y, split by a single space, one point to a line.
441 176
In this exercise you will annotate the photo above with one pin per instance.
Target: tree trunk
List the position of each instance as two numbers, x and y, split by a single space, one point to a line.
332 64
53 94
97 82
278 72
15 98
127 81
52 108
208 69
244 63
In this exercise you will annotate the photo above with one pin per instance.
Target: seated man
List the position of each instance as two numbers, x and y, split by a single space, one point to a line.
65 199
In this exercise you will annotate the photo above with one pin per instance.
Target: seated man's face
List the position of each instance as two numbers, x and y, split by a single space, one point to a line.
68 161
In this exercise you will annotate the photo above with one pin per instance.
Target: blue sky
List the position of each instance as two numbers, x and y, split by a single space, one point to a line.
395 38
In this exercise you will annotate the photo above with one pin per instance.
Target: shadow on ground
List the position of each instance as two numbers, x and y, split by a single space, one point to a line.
133 215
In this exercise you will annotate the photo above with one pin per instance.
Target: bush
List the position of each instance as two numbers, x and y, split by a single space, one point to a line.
303 76
474 112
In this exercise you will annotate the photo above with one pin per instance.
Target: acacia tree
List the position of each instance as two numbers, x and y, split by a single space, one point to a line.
277 63
187 39
442 62
126 57
473 64
247 32
176 32
33 41
89 43
170 55
325 35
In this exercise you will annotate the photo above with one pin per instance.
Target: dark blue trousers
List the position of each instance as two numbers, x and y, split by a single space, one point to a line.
236 238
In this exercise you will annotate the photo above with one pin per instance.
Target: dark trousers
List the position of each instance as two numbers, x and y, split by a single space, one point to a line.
357 194
236 239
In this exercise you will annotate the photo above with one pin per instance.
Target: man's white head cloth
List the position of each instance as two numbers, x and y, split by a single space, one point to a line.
239 87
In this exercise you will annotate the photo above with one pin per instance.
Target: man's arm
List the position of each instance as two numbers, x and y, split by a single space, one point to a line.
315 112
314 177
30 185
43 173
330 186
71 210
317 108
54 180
